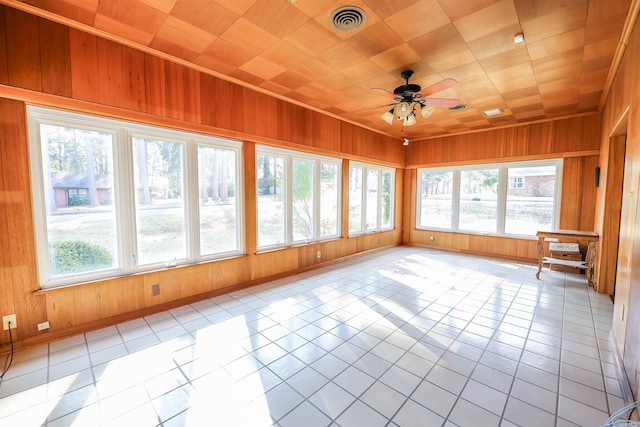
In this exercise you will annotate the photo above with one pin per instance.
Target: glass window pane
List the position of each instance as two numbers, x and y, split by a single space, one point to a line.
329 197
218 200
436 200
530 199
302 193
387 181
372 199
355 199
79 199
479 200
271 208
160 219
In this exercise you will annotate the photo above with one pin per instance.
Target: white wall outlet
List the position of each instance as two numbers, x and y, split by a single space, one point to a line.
9 318
432 238
318 254
44 325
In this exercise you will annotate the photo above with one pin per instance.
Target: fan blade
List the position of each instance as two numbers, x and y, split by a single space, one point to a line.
386 92
441 85
373 108
441 102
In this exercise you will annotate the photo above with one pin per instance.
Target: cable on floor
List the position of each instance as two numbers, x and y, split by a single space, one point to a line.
11 358
620 418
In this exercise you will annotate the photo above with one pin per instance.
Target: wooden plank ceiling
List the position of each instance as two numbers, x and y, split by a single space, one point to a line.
291 50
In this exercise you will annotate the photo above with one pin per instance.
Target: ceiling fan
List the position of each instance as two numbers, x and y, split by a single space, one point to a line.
410 97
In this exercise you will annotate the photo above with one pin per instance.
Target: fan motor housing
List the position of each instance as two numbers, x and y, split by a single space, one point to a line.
408 88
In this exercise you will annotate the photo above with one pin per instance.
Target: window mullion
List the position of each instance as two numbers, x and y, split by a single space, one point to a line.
379 202
317 199
191 191
288 200
419 177
455 200
363 201
503 184
126 216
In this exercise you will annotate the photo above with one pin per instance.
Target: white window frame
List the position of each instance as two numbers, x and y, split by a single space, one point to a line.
289 156
503 186
124 197
366 167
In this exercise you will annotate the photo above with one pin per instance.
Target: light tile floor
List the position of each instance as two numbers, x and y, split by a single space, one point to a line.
403 337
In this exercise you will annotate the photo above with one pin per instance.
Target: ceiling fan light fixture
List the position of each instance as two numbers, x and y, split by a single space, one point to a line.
388 116
410 120
403 110
427 111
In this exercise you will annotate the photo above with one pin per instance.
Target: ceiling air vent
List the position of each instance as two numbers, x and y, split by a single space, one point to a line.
348 18
458 107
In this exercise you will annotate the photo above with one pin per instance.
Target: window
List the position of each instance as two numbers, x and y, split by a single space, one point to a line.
219 204
478 200
298 197
160 209
516 182
370 198
302 192
81 228
435 200
531 205
355 199
329 199
517 198
112 198
77 196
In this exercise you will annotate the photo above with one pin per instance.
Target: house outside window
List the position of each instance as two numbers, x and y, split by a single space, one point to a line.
516 182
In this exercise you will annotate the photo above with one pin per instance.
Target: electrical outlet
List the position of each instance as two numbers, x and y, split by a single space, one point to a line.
44 325
318 254
9 318
155 290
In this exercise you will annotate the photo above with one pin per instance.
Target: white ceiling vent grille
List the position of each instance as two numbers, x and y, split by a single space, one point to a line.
348 18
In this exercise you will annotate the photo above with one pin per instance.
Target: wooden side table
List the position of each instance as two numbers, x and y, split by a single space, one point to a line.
586 238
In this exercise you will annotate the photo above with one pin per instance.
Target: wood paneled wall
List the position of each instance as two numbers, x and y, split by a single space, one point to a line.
577 136
621 116
49 64
575 139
